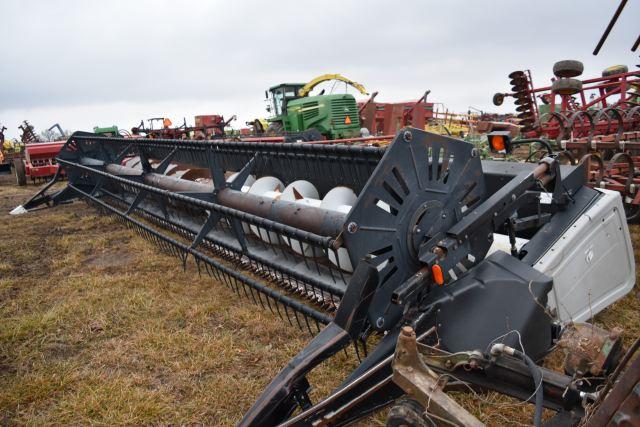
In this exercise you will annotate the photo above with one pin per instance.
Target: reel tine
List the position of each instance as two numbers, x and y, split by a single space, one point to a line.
211 271
253 297
278 309
175 239
233 283
287 314
306 321
260 300
295 314
244 288
331 266
223 278
355 347
271 245
282 249
269 304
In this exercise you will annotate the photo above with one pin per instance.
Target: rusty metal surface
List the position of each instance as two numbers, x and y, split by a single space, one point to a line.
421 383
308 218
589 350
621 406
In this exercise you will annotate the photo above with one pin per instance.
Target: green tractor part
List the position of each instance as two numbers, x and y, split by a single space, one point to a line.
106 131
310 118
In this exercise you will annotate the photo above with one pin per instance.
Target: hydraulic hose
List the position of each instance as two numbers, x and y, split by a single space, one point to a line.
498 349
537 381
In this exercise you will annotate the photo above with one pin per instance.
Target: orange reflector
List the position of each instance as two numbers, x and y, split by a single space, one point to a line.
347 120
438 277
497 142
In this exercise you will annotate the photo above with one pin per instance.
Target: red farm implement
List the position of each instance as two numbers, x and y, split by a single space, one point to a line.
594 121
387 118
586 111
206 127
39 162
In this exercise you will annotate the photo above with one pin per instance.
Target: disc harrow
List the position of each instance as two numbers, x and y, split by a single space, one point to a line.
571 109
597 122
349 242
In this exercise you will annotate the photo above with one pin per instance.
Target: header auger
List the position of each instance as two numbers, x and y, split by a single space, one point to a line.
356 241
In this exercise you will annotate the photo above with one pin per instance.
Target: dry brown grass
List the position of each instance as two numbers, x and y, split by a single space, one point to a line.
97 327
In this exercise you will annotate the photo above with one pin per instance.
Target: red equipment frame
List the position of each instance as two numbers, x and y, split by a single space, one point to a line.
600 125
40 159
591 112
387 118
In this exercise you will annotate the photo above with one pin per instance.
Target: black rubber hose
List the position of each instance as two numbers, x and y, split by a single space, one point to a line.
537 382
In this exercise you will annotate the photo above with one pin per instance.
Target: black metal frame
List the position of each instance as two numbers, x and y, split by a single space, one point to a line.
423 202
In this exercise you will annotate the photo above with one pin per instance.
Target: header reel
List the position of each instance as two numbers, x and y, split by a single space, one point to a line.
361 239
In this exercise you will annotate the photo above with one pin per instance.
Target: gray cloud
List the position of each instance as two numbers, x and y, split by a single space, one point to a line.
86 63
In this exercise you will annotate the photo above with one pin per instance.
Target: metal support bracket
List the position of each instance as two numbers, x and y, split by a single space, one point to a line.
418 380
164 164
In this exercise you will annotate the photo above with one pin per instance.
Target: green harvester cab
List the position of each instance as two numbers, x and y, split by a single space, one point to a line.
333 116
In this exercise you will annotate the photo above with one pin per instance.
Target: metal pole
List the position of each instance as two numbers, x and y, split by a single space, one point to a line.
610 26
636 44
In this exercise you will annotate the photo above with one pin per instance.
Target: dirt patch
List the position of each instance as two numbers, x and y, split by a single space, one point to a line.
109 260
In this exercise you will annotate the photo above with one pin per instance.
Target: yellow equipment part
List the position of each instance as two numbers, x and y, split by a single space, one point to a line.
263 122
259 124
447 129
304 91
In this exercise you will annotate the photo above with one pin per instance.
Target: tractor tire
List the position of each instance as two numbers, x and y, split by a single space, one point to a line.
566 86
632 213
615 69
408 413
498 99
311 134
568 68
21 173
612 71
275 129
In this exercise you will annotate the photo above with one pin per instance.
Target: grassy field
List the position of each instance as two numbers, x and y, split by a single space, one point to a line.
97 327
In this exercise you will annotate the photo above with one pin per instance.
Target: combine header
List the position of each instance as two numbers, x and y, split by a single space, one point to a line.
354 242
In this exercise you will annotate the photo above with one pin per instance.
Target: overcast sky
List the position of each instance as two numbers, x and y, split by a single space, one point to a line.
83 63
